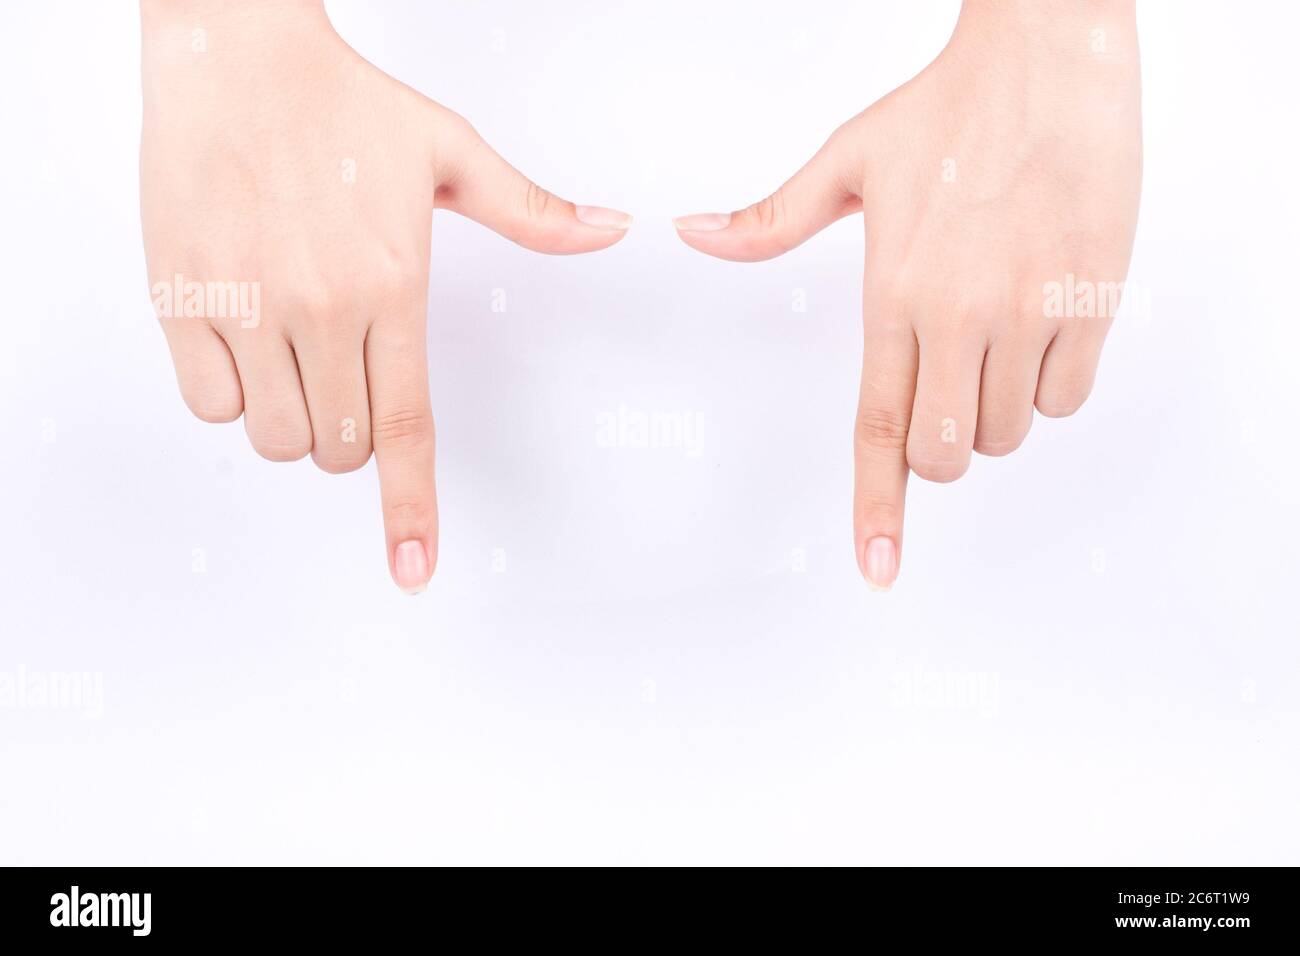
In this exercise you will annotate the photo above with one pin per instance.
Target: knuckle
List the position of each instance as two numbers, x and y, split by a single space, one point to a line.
316 300
1059 406
997 445
451 137
537 201
769 213
1063 399
408 512
846 135
939 470
892 303
210 390
394 277
214 408
1034 308
281 447
845 145
402 426
857 130
876 508
454 127
880 428
1001 433
336 462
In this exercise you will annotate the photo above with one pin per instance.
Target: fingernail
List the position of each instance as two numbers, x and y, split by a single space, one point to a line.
703 222
880 563
602 218
411 567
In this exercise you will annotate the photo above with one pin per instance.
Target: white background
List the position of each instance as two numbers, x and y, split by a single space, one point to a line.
1091 654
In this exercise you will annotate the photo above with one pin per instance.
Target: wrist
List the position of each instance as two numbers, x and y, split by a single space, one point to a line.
1066 31
199 25
172 10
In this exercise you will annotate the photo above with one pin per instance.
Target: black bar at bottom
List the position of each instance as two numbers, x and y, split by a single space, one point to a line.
1221 907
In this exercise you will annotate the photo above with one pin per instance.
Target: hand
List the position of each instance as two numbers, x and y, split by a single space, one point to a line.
999 186
287 188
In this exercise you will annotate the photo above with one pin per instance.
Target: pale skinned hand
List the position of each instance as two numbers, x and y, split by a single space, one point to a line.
275 158
1009 167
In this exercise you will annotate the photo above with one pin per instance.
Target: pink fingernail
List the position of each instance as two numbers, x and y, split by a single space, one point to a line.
880 563
411 567
703 222
602 218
